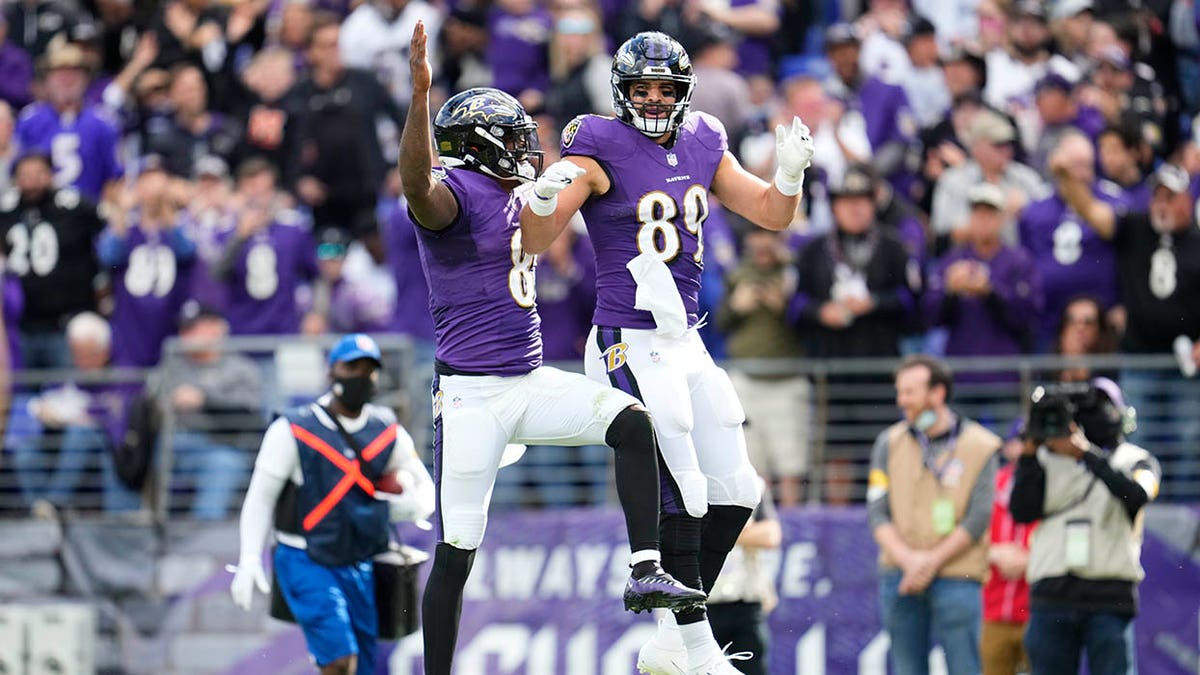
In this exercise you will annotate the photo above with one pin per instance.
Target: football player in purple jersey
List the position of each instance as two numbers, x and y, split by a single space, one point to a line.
490 388
642 182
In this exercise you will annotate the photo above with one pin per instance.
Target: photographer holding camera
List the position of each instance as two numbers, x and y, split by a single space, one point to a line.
1087 486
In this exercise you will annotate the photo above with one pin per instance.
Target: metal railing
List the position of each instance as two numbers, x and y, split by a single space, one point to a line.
202 458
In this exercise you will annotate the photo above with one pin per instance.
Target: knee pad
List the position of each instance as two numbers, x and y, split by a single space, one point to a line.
670 403
462 527
693 487
722 399
743 487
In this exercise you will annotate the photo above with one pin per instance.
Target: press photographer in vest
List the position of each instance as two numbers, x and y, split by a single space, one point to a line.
929 503
322 474
1087 485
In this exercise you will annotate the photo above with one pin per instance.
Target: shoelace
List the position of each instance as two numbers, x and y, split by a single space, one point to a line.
736 656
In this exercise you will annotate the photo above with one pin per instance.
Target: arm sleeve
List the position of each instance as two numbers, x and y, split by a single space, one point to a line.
277 459
979 506
1130 493
1028 490
879 511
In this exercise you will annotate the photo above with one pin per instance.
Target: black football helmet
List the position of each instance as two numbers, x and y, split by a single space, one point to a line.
652 56
487 130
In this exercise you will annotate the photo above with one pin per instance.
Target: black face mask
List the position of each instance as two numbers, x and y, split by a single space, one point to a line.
354 392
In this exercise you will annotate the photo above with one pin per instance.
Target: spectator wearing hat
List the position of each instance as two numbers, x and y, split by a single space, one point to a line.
1071 258
1059 113
80 141
991 139
16 70
855 292
149 258
880 108
206 221
1006 593
987 293
1158 263
48 239
192 131
266 258
1071 25
335 163
924 81
216 399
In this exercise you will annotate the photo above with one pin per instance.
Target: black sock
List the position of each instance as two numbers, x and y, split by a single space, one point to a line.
681 558
635 465
721 529
441 606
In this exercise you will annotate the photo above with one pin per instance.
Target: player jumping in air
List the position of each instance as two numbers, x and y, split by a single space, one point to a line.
490 387
642 182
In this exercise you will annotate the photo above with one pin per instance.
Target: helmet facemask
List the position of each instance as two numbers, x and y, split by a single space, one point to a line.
653 125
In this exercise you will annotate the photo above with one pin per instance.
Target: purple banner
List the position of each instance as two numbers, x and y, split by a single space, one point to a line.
544 599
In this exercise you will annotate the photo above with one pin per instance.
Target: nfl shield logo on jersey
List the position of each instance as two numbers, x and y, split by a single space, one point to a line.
672 159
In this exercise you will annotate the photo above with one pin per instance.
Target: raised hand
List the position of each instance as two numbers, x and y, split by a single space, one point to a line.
793 148
418 61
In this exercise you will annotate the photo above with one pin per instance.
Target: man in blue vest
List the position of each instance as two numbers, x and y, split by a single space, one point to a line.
334 454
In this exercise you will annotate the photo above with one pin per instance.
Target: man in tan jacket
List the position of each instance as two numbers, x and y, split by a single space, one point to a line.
929 504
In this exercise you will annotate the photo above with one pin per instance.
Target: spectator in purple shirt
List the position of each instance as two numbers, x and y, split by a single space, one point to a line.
266 258
566 296
81 421
1071 258
755 22
339 304
80 140
518 51
16 70
988 294
207 222
148 257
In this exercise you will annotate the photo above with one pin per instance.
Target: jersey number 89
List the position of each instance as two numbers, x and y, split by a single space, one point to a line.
658 234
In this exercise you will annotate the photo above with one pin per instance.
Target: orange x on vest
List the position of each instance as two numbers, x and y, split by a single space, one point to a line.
351 467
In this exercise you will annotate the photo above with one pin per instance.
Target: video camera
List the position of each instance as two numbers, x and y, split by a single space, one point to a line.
1092 407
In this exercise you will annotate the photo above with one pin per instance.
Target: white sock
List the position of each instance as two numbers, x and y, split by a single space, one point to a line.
699 642
644 555
668 632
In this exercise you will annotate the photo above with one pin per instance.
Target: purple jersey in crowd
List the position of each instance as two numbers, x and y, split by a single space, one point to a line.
82 148
411 317
517 50
16 74
754 53
993 326
482 292
208 231
150 281
262 288
658 201
566 302
1070 257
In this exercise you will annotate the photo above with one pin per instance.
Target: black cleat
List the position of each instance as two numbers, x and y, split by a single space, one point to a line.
660 590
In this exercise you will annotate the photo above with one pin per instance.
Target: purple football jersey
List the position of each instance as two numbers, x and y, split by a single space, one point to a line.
208 231
150 275
658 203
82 148
262 288
481 283
1071 258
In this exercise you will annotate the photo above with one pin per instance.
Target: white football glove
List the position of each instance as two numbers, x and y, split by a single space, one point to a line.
249 575
793 154
553 180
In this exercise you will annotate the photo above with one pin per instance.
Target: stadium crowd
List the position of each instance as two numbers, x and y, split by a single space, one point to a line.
227 167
